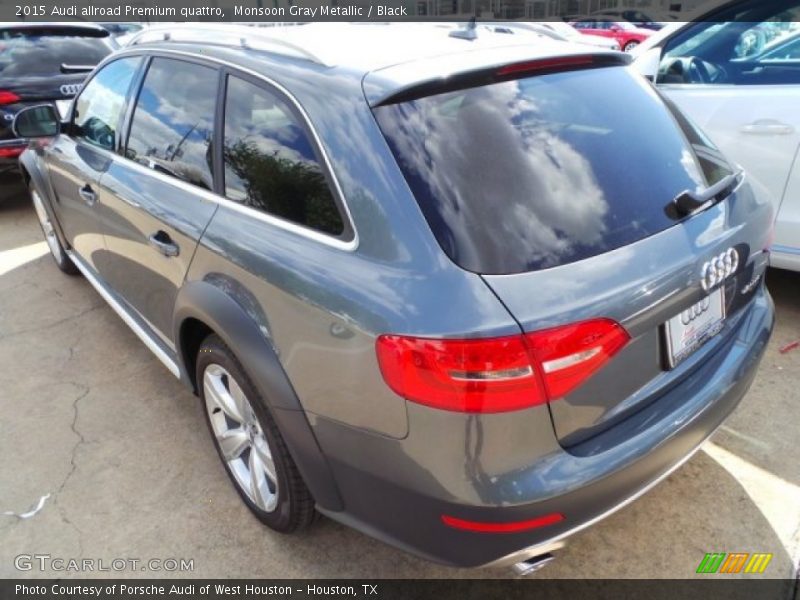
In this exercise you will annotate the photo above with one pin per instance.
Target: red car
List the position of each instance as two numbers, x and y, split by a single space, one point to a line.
627 34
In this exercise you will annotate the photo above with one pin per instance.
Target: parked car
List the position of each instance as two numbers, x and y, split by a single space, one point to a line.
633 16
570 34
118 29
40 63
438 309
125 32
736 72
627 35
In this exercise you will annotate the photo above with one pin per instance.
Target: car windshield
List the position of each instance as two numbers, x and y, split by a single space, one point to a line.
26 53
535 173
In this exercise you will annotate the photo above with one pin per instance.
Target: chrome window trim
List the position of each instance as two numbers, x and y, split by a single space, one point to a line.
346 245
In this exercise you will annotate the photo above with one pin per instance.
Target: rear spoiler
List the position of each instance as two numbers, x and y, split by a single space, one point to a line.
505 72
65 68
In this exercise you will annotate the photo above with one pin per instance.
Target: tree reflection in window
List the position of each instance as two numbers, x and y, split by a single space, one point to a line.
270 163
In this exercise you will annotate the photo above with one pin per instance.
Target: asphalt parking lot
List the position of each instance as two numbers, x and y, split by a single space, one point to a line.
91 418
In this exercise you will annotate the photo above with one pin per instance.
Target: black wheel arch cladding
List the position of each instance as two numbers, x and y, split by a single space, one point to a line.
206 303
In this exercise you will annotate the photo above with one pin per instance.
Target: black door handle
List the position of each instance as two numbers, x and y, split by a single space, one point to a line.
88 194
162 242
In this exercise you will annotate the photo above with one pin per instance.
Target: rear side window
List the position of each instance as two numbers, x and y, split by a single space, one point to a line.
270 162
543 171
99 107
37 53
173 123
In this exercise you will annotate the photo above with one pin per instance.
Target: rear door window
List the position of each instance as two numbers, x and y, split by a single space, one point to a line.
172 129
271 164
547 170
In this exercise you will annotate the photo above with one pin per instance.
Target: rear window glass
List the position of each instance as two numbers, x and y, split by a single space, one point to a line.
41 53
543 171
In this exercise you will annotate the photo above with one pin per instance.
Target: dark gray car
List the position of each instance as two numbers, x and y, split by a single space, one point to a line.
468 296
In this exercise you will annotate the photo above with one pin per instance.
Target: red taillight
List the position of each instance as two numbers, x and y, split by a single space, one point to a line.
497 374
7 97
482 376
512 527
569 355
11 152
561 62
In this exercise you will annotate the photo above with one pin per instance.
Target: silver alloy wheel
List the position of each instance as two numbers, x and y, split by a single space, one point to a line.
630 46
50 235
241 439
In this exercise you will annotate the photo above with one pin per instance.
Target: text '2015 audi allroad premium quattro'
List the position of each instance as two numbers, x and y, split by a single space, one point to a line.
418 287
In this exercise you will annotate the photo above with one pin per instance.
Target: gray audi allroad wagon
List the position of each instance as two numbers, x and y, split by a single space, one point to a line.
434 283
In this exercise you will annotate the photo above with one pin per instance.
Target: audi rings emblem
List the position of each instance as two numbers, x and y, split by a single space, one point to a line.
70 89
718 269
690 314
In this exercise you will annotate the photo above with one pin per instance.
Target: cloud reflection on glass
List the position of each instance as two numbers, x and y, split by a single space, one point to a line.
542 171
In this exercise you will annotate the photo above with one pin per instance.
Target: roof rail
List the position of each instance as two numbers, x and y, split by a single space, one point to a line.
227 35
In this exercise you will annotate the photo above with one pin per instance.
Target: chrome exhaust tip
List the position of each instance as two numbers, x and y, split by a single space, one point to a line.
527 567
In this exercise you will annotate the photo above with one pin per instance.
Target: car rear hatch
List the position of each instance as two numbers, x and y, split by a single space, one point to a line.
583 197
46 63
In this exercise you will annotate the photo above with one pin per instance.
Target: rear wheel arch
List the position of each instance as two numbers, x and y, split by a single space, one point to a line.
192 333
202 309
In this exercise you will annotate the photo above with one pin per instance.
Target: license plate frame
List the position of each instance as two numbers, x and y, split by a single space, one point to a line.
687 332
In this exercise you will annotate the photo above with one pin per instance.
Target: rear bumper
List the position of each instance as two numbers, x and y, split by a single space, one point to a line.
396 492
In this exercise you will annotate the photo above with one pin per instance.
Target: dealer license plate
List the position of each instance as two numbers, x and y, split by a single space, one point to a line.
692 328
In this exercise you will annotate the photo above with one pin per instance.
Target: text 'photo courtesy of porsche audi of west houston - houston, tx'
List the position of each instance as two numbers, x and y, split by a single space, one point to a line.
441 310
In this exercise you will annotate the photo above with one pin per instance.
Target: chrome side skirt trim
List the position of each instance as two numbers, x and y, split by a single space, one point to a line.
123 313
559 540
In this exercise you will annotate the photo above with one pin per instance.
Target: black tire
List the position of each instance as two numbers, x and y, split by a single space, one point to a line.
630 46
57 250
294 510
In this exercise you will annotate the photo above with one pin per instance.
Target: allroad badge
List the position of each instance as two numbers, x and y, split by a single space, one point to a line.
719 268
